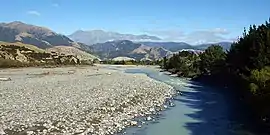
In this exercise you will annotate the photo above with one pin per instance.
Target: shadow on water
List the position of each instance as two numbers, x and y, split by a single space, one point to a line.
200 110
212 111
219 113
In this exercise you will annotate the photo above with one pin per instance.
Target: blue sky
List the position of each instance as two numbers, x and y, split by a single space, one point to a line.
191 21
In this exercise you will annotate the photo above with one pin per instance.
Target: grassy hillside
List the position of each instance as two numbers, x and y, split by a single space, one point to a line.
31 47
24 55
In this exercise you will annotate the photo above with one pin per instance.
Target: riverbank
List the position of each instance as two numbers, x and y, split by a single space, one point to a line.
76 100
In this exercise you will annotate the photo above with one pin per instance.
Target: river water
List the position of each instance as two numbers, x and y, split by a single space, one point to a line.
199 110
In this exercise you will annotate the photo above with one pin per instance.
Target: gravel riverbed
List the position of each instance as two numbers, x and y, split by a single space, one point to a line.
76 100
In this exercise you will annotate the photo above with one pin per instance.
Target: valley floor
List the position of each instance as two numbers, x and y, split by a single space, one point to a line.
75 100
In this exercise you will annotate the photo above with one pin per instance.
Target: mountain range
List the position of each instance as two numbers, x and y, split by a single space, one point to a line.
92 37
126 48
176 46
172 46
39 36
100 36
224 45
147 50
106 45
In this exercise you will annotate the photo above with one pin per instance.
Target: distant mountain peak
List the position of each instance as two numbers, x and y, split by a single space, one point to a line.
16 23
101 31
78 31
123 41
100 36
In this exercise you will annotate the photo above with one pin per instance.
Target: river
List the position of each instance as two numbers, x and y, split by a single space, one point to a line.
199 110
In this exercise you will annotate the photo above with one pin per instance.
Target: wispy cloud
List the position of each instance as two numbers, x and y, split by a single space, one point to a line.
166 33
206 36
195 37
220 31
55 5
33 12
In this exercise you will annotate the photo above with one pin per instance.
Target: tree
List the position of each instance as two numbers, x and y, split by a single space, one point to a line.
252 51
184 64
246 66
164 63
212 59
260 78
248 63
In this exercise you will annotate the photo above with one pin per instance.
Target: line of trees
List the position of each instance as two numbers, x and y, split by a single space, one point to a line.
131 62
246 66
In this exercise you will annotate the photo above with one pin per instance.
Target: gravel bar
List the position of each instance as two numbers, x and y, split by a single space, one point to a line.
76 100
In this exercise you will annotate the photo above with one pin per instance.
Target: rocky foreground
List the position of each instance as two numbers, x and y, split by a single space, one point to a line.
76 100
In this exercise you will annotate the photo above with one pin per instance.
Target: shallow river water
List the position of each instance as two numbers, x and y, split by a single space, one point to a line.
199 110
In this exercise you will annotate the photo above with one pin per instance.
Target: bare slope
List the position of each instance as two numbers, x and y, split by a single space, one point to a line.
69 50
30 34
